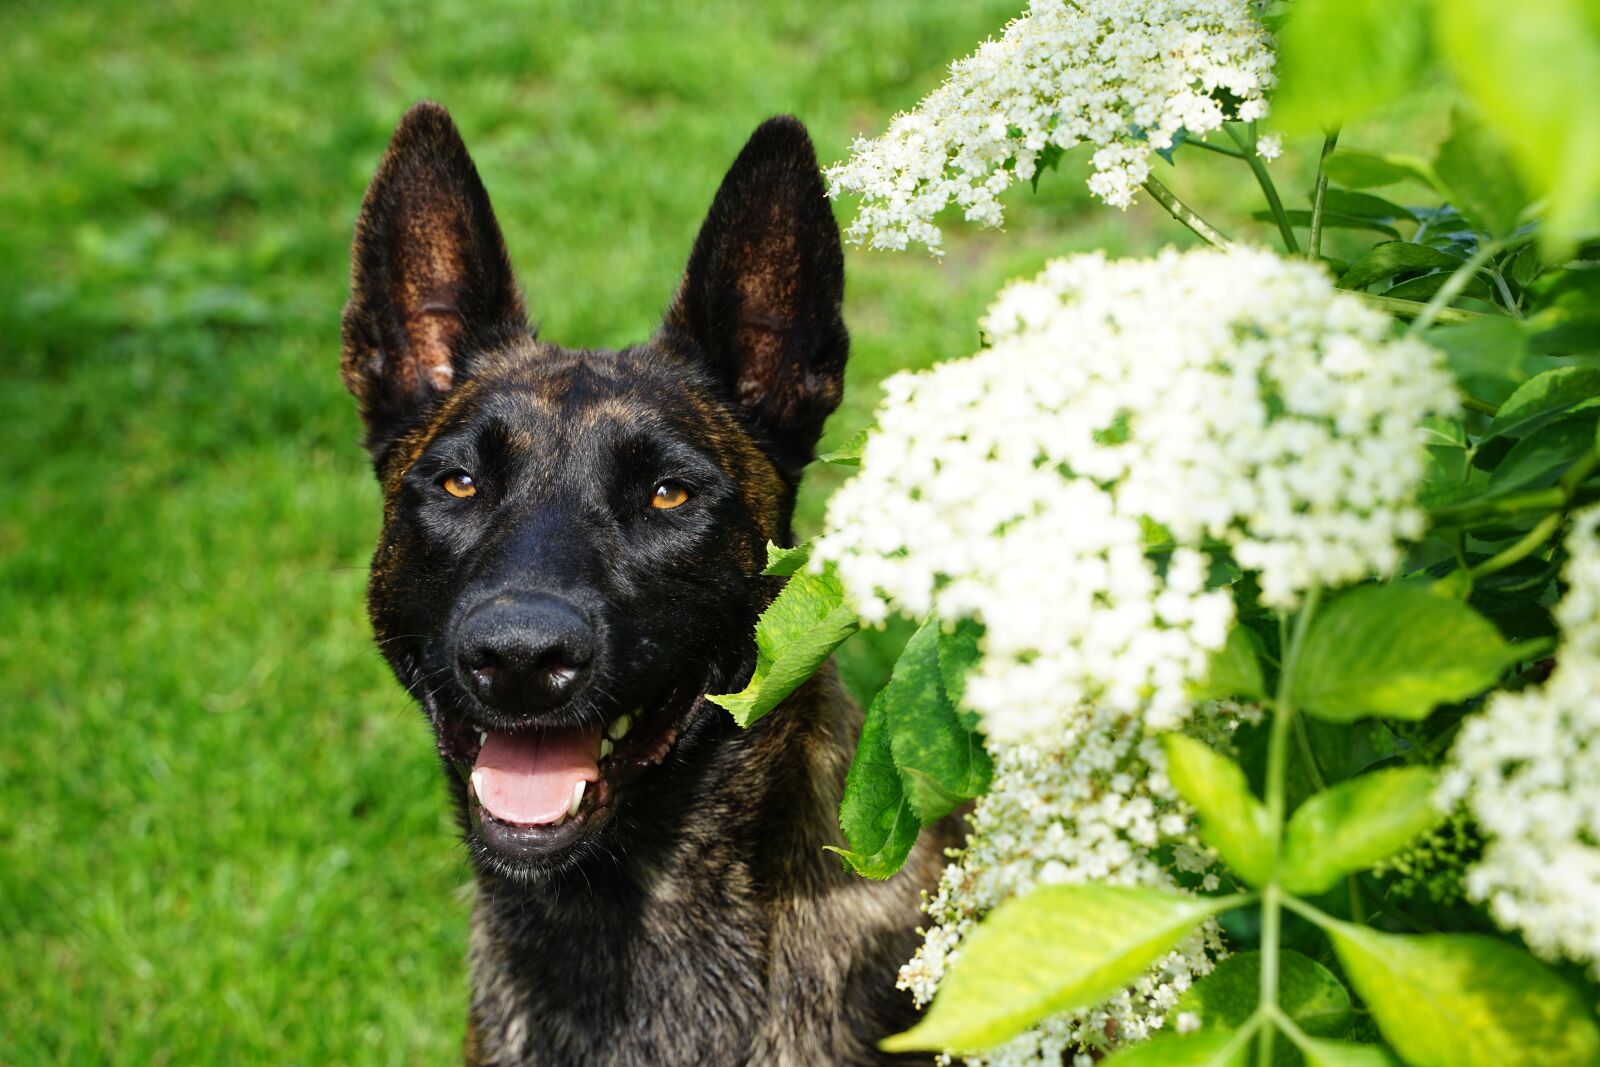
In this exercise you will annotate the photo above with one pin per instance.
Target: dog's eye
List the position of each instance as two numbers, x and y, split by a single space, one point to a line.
668 495
459 484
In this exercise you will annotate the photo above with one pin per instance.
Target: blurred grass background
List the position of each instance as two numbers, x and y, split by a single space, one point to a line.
222 833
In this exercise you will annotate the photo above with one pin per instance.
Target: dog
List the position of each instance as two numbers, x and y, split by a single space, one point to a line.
569 562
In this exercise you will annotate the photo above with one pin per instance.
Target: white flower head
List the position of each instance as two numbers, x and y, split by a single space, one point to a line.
1125 76
1528 770
1072 486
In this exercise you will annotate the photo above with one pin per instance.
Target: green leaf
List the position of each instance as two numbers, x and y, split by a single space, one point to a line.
1541 457
797 632
1356 824
1335 220
1423 288
1478 176
1339 59
1366 170
1396 651
1365 205
1235 669
875 815
1543 399
1535 77
941 758
1307 992
784 562
1232 820
847 454
1461 1000
1390 258
958 654
1343 1054
1488 355
1208 1048
1058 947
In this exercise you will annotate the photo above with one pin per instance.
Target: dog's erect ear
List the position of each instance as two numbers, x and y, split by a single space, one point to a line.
430 282
762 293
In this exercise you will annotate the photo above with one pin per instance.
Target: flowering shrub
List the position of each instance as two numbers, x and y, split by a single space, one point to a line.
1239 573
1126 76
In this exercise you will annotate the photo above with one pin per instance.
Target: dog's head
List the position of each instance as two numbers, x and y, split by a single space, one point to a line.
572 539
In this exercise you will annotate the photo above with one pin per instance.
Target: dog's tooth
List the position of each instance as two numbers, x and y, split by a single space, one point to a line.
606 747
619 729
577 797
483 735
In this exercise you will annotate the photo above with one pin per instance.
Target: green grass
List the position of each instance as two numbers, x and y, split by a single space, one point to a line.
222 833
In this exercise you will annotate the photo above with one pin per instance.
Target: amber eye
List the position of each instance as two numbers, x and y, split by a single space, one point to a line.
668 495
459 484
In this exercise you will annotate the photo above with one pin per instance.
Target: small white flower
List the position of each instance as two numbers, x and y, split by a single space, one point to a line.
1528 769
1125 76
1269 147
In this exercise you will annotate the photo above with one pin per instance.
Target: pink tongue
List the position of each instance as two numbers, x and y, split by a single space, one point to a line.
529 778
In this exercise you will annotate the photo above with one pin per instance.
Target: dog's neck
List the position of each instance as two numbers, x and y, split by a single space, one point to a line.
730 937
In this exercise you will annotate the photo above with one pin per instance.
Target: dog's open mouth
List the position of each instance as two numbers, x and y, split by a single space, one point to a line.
532 791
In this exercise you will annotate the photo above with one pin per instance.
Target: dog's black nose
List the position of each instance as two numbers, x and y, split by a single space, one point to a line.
523 654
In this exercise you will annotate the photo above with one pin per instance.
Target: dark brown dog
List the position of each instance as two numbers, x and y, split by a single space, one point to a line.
569 562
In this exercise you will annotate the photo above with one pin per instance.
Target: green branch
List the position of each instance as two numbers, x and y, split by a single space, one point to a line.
1184 214
1314 242
1259 169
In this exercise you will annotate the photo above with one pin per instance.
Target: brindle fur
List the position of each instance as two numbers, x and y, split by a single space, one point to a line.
705 924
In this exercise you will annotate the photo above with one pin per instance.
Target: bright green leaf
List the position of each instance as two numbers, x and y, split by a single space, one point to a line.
847 454
958 654
1232 820
1461 1000
1307 992
1365 205
1390 258
1423 288
1058 947
1208 1048
1343 1054
939 754
1339 59
797 632
875 815
1356 824
1543 399
1478 177
1366 170
784 562
1235 669
1488 355
1543 455
1396 651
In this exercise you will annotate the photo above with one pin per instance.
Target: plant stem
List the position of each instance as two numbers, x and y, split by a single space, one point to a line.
1219 149
1512 504
1314 241
1304 739
1259 169
1184 214
1272 895
1409 309
1482 407
1505 294
1452 286
1524 548
1358 913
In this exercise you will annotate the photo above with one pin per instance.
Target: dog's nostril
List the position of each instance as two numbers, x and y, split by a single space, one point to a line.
484 677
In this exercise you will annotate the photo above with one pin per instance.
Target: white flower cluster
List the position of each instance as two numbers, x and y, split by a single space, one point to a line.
1071 486
1090 807
1125 76
1528 770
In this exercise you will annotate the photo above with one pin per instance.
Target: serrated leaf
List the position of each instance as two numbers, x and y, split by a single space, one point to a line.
1541 457
1478 176
1307 992
1344 1054
1396 651
1232 820
1392 257
1355 825
1208 1048
847 454
940 757
798 631
784 562
958 654
1058 947
875 814
1366 170
1235 669
1543 399
1462 1000
1423 288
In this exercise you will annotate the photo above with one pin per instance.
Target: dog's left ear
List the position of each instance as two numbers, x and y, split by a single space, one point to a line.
762 293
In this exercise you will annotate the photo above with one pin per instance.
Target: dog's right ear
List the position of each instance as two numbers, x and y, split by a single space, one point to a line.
430 281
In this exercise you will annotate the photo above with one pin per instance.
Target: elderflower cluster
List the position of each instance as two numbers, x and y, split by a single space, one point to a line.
1092 806
1125 76
1528 770
1134 425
